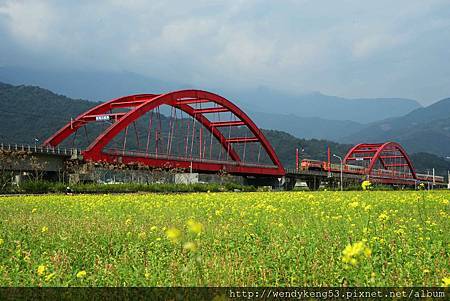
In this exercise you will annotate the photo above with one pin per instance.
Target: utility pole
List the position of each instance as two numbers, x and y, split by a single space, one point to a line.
434 182
328 163
448 177
190 173
340 159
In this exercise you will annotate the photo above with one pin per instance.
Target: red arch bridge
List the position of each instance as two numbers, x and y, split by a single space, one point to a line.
193 130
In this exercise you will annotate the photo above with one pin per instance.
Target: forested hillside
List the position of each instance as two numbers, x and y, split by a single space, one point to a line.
423 130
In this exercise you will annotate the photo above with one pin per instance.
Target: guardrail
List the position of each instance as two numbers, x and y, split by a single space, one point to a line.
321 173
41 149
438 180
163 156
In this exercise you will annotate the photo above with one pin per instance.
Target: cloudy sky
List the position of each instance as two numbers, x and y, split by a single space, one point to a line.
348 48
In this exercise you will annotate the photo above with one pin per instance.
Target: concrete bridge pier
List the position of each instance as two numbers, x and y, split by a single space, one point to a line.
314 182
273 182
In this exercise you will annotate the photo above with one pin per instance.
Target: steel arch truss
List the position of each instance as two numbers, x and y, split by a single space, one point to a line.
384 162
184 100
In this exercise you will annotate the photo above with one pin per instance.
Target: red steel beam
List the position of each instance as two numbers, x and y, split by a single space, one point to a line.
127 104
94 117
369 144
372 150
368 158
242 140
210 110
227 123
190 101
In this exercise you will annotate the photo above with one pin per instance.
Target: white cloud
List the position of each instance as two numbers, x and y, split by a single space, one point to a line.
370 44
29 21
182 32
338 47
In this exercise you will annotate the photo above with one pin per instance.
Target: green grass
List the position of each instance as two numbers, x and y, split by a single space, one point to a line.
233 239
40 187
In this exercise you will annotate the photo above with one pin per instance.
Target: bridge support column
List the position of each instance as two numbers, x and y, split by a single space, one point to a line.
18 178
331 183
314 183
289 183
264 181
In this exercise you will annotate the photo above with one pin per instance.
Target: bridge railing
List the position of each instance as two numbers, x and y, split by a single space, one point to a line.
117 152
376 174
40 149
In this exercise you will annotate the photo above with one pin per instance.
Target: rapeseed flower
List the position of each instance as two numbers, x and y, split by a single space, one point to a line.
173 234
446 281
194 227
190 246
353 252
41 270
383 216
353 204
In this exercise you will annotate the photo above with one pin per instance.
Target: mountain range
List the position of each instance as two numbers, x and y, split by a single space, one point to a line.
306 115
422 130
316 104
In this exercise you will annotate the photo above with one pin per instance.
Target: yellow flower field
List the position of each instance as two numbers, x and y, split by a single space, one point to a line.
364 238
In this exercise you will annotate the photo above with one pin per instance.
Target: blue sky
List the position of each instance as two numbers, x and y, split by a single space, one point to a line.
347 48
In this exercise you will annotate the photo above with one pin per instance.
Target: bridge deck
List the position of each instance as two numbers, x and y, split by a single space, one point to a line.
383 179
206 165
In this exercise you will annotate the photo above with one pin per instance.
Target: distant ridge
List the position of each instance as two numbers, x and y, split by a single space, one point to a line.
362 110
311 115
423 130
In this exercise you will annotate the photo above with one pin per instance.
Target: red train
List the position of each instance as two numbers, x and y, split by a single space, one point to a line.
309 164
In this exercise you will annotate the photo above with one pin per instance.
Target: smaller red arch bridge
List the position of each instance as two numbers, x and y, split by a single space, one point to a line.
205 133
382 163
386 163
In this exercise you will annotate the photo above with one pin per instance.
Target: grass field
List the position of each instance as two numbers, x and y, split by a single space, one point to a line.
226 239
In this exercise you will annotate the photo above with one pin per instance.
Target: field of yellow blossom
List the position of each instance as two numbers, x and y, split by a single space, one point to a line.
368 238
